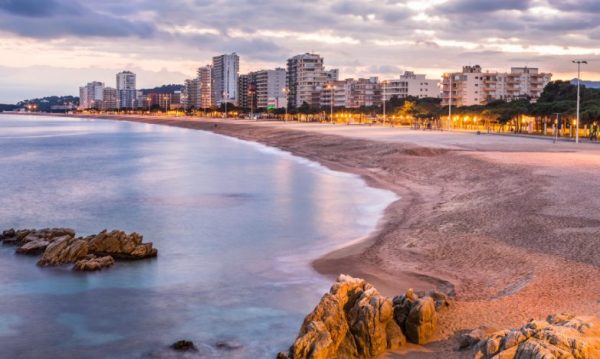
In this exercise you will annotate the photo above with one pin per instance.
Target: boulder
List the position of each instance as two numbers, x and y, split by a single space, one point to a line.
120 245
35 247
421 321
560 336
91 263
184 346
417 316
351 321
24 236
64 250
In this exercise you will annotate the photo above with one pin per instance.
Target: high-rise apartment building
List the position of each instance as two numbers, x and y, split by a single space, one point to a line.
225 74
91 95
270 88
110 99
127 90
247 91
472 86
305 78
205 93
411 84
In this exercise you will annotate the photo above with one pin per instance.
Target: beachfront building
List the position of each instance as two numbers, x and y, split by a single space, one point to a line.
247 91
305 78
224 76
110 99
91 95
352 93
126 86
411 85
472 86
205 94
270 88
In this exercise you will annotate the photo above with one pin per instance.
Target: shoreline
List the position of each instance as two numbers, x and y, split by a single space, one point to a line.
494 225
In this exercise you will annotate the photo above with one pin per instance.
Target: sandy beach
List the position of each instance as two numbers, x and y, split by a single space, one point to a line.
509 225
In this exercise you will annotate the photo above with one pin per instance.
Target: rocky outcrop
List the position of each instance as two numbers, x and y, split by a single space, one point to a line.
34 242
64 250
354 321
59 246
91 263
121 245
559 336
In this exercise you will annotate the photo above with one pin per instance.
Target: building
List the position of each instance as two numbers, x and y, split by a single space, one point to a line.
225 74
270 88
110 99
191 94
205 93
472 86
305 78
411 85
127 90
247 91
91 95
332 75
352 93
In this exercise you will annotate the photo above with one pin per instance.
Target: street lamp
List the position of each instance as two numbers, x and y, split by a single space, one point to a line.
384 99
450 102
331 88
225 96
286 91
578 62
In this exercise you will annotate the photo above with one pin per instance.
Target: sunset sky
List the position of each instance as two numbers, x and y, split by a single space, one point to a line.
53 46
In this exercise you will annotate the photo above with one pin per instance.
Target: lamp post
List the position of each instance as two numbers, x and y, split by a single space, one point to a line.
331 89
286 92
225 95
384 99
556 128
450 102
578 62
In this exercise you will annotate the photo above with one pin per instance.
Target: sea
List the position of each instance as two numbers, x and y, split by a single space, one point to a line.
236 224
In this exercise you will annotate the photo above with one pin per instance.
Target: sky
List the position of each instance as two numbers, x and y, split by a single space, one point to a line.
51 47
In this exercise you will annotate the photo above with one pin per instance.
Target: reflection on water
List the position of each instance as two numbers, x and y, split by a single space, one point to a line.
236 225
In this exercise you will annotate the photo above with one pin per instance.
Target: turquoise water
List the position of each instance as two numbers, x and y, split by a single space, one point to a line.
236 225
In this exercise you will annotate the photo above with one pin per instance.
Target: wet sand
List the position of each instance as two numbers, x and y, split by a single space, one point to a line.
509 225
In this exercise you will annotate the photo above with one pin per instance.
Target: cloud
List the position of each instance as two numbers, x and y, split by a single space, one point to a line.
362 37
479 6
55 18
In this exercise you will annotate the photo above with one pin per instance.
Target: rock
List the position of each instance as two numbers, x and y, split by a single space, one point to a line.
559 336
120 245
24 236
468 340
282 355
351 321
64 250
91 263
184 346
417 316
422 321
228 345
35 247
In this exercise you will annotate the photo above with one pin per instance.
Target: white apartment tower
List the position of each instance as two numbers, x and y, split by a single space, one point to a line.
225 74
305 78
91 95
126 89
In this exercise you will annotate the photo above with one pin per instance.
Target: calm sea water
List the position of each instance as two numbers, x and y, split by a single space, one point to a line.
236 225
